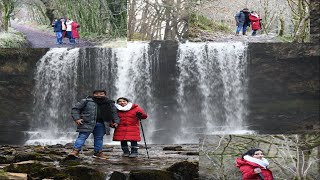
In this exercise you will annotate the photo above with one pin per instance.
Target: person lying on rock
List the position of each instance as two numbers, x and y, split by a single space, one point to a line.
94 114
129 127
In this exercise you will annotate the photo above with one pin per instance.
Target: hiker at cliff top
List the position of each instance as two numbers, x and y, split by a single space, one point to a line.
64 27
254 166
129 127
242 20
255 22
58 30
94 114
74 31
69 31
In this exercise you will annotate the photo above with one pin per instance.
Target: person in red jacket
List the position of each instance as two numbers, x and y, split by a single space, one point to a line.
129 127
253 165
255 22
74 31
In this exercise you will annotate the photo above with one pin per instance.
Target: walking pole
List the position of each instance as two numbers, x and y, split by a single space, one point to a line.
143 137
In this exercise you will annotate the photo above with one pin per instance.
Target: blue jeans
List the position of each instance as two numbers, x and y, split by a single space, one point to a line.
71 39
59 37
98 133
244 29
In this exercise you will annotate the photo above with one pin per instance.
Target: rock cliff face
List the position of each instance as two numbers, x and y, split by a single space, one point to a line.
16 84
314 21
284 87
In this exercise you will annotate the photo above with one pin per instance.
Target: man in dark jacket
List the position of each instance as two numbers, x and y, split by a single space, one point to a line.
58 30
242 19
94 114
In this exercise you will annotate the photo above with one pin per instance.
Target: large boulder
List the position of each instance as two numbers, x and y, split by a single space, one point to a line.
82 172
118 176
5 159
187 170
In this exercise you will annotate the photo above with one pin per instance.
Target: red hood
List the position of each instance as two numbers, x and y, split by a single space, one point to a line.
134 106
242 162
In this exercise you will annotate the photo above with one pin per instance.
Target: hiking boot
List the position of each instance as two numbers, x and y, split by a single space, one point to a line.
100 155
74 152
126 154
133 155
134 152
126 151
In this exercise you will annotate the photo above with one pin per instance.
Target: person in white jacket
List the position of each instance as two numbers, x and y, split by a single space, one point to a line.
69 31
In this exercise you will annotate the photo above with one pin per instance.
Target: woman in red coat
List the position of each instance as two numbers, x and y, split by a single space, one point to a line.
255 22
129 127
253 165
74 31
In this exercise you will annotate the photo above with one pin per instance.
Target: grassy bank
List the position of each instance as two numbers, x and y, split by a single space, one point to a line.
12 39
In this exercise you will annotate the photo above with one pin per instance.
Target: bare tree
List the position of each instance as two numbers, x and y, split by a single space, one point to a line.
301 15
157 20
6 8
132 18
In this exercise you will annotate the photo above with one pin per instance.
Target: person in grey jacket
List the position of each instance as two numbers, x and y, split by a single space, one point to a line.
94 114
243 21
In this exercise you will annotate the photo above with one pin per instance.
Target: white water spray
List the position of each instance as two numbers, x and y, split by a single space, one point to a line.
214 73
54 92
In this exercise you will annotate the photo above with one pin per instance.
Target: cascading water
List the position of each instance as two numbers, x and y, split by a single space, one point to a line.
211 88
54 92
134 78
206 93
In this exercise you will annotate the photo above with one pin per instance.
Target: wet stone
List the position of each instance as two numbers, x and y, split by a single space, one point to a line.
82 172
173 148
118 176
187 170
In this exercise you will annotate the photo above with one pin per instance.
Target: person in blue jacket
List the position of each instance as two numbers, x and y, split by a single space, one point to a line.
243 21
58 30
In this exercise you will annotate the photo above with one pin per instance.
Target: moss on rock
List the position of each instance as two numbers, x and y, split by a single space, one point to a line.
187 170
6 159
84 173
29 168
3 175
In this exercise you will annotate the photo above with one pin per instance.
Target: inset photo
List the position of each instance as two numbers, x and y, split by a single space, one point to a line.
266 157
157 20
250 21
63 23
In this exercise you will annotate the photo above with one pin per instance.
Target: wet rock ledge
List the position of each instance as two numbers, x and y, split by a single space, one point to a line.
166 162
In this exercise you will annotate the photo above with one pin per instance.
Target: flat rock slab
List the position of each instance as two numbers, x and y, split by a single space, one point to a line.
159 160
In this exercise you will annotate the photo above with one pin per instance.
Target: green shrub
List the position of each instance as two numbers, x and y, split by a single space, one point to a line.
203 23
12 39
286 38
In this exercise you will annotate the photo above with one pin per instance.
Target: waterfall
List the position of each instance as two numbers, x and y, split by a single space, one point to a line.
186 89
134 78
212 86
55 90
